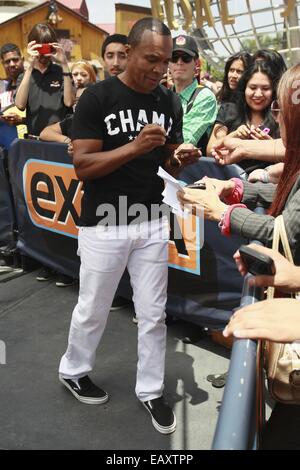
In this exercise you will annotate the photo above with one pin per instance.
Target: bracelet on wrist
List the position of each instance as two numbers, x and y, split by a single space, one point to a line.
67 74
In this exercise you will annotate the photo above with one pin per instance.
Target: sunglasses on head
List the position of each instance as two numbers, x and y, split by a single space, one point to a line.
186 58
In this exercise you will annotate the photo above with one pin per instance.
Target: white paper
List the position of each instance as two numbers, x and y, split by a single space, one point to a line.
172 186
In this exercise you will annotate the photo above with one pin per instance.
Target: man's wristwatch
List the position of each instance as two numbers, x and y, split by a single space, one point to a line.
67 74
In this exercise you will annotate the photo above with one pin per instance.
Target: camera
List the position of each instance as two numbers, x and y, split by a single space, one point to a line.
46 49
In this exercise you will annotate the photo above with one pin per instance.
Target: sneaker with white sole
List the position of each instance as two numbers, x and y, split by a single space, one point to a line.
163 418
5 267
65 281
120 302
45 274
85 390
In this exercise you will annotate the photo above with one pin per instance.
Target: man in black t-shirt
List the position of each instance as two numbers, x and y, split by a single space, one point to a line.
123 129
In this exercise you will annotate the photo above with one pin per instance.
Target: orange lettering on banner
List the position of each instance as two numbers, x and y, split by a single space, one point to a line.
53 196
185 255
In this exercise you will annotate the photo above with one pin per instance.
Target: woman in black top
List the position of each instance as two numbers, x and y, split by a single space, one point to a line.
250 117
234 69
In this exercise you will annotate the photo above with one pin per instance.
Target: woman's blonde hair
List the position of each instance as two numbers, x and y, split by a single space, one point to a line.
83 64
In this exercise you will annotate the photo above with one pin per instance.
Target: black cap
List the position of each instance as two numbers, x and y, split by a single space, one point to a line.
185 44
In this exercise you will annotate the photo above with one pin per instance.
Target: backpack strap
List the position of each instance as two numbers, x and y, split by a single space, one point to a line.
194 96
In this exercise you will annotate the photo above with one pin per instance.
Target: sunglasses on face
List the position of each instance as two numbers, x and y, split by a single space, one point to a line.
186 58
275 109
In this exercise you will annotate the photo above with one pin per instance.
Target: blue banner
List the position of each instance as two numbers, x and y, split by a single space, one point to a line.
7 217
204 284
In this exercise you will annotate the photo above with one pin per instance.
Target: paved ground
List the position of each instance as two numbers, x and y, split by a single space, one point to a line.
36 412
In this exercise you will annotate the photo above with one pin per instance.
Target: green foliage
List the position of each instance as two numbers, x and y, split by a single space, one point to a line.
266 42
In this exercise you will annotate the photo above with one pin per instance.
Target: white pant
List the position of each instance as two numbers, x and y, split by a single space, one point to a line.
104 257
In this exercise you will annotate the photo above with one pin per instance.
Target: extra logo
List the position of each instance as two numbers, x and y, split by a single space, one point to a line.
184 250
53 196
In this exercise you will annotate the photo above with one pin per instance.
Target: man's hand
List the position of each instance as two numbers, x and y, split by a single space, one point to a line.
186 154
286 278
150 137
229 150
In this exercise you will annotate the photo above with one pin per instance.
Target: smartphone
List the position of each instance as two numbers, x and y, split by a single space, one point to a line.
255 262
45 49
200 185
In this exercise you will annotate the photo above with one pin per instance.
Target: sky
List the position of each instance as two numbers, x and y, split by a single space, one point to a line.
103 11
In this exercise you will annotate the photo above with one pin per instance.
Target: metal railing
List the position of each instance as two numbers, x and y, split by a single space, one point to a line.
236 426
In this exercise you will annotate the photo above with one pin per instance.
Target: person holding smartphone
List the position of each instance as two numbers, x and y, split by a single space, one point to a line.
45 89
274 320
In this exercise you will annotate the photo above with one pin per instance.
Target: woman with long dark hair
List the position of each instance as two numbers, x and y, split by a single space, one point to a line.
250 117
234 69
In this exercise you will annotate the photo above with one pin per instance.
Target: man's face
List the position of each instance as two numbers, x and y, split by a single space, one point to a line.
13 65
115 58
148 61
182 67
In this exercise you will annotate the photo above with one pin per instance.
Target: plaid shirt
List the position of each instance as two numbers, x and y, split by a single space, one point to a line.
201 117
260 227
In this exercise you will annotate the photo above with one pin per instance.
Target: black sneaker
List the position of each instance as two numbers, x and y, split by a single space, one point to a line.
120 302
45 274
85 390
163 418
65 281
5 267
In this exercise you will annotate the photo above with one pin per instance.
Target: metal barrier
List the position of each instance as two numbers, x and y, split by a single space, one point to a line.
236 426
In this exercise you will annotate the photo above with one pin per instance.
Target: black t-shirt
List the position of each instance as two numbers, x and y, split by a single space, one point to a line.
109 111
45 104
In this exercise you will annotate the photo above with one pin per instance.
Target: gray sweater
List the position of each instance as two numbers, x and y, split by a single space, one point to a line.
260 227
